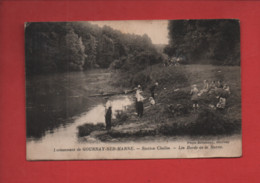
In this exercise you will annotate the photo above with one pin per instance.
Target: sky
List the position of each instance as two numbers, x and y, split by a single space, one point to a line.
155 29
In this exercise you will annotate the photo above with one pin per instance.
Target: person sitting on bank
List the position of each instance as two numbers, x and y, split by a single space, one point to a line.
152 89
219 84
227 88
212 87
152 101
221 103
205 88
223 94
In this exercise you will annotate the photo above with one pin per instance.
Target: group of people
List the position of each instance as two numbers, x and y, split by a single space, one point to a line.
222 91
216 88
139 104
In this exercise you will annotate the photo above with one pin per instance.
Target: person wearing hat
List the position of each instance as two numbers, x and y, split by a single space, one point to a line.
108 113
138 90
194 97
108 118
107 103
139 103
152 89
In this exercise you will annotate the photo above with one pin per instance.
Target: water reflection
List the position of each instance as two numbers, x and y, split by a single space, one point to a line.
96 115
52 101
66 134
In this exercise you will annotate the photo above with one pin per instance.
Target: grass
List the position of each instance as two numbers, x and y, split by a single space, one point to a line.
159 120
182 77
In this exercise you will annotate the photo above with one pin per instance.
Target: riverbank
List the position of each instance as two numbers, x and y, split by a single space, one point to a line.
174 89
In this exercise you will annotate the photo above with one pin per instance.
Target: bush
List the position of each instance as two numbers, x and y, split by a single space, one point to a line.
176 110
121 116
174 129
212 123
140 79
86 129
117 64
139 61
207 123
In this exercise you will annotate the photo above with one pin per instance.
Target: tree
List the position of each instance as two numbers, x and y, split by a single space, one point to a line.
205 41
72 53
68 46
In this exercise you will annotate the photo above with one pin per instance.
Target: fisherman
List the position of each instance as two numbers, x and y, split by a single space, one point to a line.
108 118
194 98
108 113
139 88
152 89
107 103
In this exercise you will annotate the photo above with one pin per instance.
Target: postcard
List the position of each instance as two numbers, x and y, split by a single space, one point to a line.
143 89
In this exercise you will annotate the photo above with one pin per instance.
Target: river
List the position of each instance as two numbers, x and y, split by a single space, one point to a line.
57 104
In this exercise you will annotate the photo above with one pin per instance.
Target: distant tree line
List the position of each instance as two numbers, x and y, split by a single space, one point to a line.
214 42
72 46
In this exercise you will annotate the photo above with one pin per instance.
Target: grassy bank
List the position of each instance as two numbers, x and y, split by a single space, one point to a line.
174 90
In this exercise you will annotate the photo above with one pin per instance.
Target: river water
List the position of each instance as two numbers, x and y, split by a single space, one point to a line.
67 134
58 104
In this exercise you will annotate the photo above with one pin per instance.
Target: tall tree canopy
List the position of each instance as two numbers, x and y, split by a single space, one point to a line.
68 46
205 41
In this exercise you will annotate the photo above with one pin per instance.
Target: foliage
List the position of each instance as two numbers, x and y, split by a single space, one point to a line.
53 47
86 129
141 79
121 116
205 41
208 122
72 54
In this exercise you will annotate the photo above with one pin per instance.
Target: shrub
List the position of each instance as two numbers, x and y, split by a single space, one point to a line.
86 129
208 122
121 116
212 123
141 79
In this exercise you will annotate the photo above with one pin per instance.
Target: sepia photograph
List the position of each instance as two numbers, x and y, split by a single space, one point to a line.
139 89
